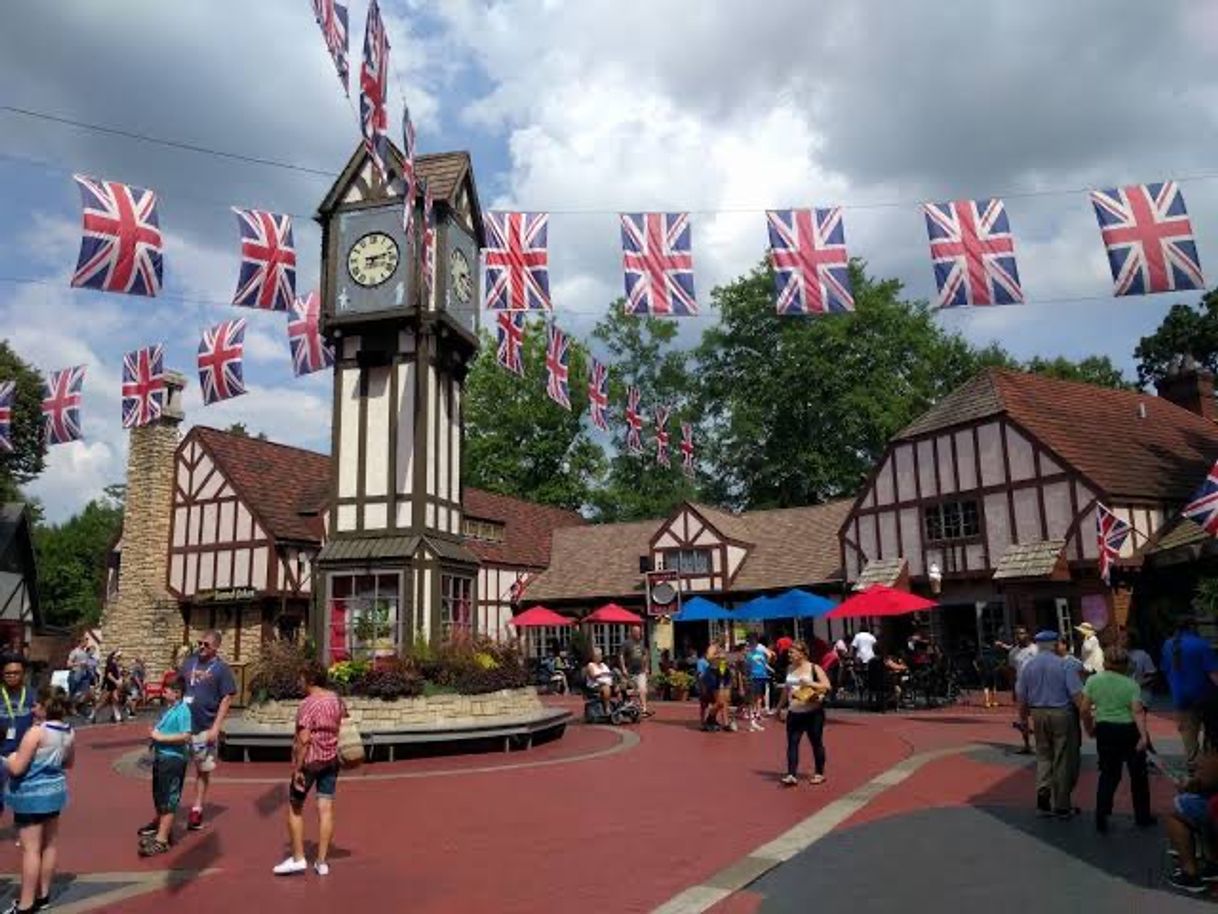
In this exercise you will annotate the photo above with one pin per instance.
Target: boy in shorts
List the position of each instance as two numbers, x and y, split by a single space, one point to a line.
169 739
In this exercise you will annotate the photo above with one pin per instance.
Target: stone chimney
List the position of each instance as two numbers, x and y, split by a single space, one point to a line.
1189 385
142 619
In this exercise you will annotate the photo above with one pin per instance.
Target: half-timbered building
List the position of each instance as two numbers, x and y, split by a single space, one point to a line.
989 498
19 611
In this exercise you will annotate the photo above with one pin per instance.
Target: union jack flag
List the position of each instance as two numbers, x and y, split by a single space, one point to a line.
374 89
974 253
268 261
661 419
428 247
558 346
598 395
7 390
120 249
332 17
309 351
811 269
659 264
634 421
1111 532
1149 238
516 591
687 448
1203 508
143 386
410 178
516 262
61 395
221 374
509 327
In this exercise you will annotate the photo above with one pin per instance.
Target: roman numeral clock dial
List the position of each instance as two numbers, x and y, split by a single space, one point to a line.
372 259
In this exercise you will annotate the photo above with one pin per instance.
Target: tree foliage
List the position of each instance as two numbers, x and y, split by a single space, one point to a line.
1186 330
643 353
1094 369
72 560
26 460
797 410
520 442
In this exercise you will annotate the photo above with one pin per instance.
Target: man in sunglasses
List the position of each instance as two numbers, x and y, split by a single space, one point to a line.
210 688
17 709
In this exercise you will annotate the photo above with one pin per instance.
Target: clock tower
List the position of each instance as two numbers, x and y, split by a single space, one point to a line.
394 567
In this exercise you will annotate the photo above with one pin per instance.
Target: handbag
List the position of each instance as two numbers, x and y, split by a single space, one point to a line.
350 744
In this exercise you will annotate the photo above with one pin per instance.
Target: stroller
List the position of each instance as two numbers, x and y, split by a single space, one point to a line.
624 707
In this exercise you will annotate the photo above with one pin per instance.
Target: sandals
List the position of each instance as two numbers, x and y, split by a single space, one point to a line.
153 847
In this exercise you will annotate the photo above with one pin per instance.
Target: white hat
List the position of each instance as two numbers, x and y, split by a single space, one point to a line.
1086 628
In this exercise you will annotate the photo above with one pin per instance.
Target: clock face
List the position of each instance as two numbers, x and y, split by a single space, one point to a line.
461 275
372 259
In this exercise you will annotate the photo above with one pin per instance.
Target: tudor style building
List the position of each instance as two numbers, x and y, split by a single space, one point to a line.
991 495
20 616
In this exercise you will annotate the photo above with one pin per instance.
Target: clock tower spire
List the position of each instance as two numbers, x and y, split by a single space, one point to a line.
395 567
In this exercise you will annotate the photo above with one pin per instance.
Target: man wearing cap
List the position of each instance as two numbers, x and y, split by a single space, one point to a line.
1046 692
1090 653
1191 669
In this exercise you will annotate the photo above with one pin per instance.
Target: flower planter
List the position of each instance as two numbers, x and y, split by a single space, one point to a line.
434 710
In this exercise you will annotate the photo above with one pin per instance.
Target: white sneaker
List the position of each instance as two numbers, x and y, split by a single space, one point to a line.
321 868
731 726
290 866
755 727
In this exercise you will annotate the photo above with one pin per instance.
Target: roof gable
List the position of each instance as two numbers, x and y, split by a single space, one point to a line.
1127 443
285 488
449 177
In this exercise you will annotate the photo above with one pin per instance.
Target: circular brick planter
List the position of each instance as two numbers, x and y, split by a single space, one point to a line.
435 710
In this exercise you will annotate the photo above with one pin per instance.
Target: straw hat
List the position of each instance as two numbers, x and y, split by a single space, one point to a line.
1086 629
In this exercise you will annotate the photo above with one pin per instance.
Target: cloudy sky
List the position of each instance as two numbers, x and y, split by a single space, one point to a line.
587 108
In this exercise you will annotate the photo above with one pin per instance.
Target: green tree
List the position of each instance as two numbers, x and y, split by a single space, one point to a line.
520 442
239 430
1094 369
797 410
643 353
72 561
1186 330
26 460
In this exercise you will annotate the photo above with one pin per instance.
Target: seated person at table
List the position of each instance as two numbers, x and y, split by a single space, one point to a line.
1190 824
600 678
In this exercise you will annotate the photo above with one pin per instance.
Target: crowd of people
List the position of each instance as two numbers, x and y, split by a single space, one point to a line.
1105 693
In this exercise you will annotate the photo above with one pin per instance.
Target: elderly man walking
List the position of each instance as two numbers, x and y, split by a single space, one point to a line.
1046 690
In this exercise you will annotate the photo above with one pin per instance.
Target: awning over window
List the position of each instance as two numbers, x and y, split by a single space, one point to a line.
1039 559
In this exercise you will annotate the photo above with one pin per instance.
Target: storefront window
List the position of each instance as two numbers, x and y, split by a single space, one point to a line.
540 641
456 601
365 617
609 639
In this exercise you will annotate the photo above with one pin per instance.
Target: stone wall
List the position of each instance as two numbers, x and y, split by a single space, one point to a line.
142 619
434 710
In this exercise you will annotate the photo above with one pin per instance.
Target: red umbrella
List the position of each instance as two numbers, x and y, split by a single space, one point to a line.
878 600
612 614
537 617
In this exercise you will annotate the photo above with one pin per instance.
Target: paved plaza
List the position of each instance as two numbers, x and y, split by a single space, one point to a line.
920 809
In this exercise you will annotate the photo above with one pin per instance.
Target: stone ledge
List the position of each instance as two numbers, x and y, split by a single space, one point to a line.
375 714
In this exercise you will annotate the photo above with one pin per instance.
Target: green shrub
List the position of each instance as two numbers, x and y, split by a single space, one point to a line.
391 678
276 675
477 680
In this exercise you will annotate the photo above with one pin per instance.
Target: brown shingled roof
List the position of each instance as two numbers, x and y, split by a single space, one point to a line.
1098 431
442 171
789 547
286 487
527 528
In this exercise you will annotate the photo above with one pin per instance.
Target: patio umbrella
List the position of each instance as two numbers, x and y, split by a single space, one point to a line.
700 609
537 617
756 609
612 614
878 600
798 604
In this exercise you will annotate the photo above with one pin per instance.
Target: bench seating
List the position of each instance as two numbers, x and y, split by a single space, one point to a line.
240 735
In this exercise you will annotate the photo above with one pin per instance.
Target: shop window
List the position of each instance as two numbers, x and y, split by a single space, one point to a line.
456 602
952 520
365 616
609 638
688 561
540 642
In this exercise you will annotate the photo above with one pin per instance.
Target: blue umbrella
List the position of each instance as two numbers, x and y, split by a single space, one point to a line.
798 604
700 609
759 608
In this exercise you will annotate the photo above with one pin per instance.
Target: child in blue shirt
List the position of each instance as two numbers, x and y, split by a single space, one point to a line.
169 739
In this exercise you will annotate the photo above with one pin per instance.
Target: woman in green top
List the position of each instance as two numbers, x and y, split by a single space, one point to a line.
1112 713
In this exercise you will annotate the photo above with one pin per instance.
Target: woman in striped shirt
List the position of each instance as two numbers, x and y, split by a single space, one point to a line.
314 763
